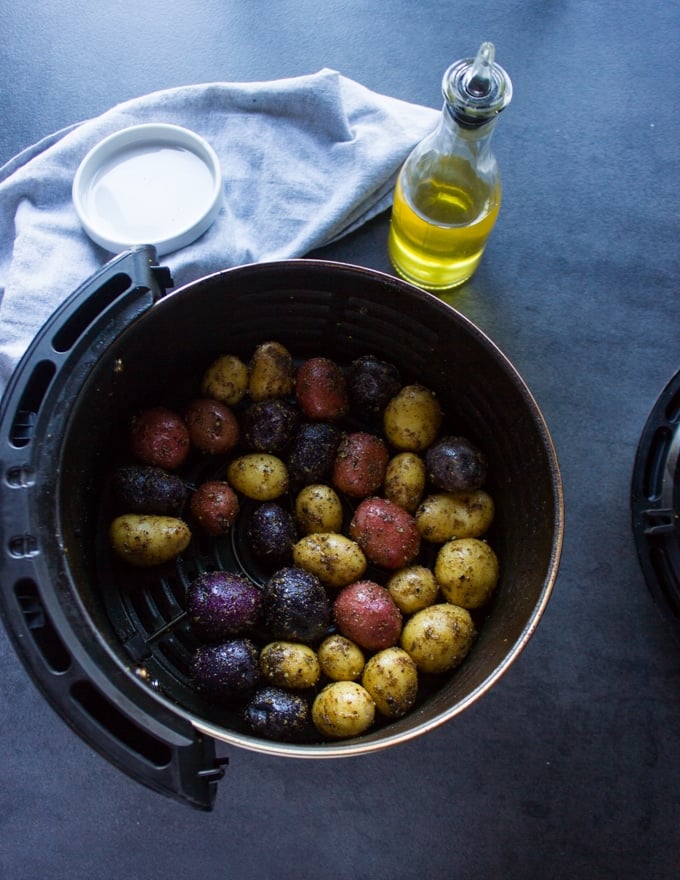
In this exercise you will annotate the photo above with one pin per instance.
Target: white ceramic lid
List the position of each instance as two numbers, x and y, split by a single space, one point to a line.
152 184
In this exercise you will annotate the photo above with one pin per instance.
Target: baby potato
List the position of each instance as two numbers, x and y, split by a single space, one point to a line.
412 418
145 539
321 390
318 509
213 427
405 480
258 475
413 588
160 438
467 571
391 678
340 658
226 380
214 507
272 372
446 515
333 558
343 709
290 665
438 638
360 463
386 533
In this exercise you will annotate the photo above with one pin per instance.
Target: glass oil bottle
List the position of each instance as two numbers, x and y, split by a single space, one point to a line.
448 192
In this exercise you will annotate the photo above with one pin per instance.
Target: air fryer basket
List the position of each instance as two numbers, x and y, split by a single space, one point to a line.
655 502
123 636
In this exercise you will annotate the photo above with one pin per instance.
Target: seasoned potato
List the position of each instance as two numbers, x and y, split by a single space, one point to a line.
366 613
438 638
160 438
321 390
413 588
360 463
146 540
213 427
391 678
318 509
258 475
412 418
343 709
333 558
405 480
312 452
226 380
340 658
386 533
467 571
446 515
214 506
455 464
371 383
272 372
290 665
269 425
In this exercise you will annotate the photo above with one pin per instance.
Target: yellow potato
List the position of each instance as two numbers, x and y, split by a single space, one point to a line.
413 588
438 638
405 480
145 539
272 372
467 572
258 475
226 380
340 658
447 515
343 709
290 665
412 418
333 558
318 509
391 678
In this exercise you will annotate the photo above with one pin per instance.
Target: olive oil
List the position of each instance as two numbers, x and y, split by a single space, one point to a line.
437 237
448 192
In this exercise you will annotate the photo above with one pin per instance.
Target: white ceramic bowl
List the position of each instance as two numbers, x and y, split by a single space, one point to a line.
155 184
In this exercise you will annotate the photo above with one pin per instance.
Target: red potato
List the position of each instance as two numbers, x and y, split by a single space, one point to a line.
159 437
388 534
321 390
366 613
360 464
213 427
214 506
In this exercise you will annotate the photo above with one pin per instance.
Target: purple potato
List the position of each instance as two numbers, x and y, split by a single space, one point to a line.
221 604
455 464
313 452
226 672
147 489
272 534
372 383
268 425
278 714
295 605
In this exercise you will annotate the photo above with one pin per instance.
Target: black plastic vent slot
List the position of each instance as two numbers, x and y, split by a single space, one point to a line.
74 327
43 633
121 728
23 423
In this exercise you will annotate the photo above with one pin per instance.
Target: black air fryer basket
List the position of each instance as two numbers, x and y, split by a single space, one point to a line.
656 503
110 647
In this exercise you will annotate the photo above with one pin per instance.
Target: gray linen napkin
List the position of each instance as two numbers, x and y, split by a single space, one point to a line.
305 160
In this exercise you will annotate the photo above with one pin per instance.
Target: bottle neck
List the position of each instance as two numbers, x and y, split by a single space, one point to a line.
475 136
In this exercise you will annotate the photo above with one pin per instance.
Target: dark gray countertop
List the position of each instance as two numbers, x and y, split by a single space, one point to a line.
569 766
